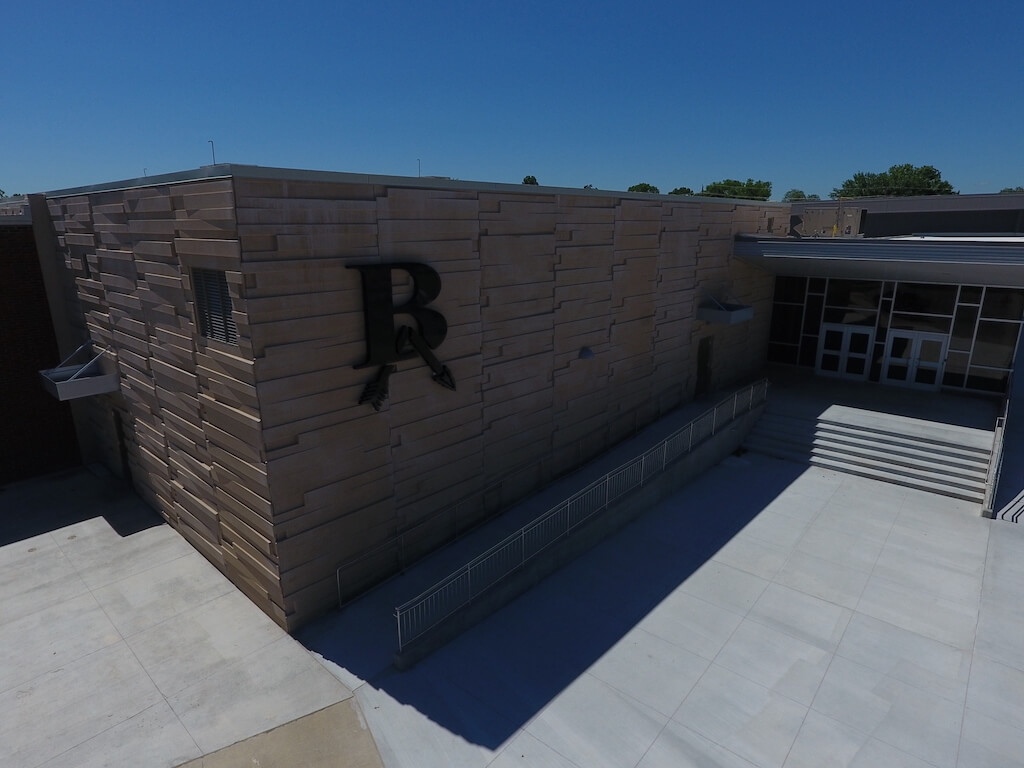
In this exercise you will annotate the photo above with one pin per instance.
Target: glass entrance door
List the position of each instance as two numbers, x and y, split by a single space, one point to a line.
914 359
844 351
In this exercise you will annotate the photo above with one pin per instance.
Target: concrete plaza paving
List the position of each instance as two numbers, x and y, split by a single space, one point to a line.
768 614
121 646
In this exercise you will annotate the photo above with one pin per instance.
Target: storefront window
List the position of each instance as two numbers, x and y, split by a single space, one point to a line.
1003 304
987 380
995 343
963 328
970 294
920 323
790 290
783 353
850 316
927 299
812 316
786 323
853 293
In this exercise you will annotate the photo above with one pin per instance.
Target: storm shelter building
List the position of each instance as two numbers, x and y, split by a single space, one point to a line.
306 371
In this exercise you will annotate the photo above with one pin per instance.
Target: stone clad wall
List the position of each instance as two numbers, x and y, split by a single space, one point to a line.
260 453
528 279
189 434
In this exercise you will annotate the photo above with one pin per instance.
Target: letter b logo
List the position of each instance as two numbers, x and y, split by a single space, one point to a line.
379 310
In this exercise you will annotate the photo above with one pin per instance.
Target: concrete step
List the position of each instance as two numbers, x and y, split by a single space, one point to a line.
930 473
912 453
909 455
901 426
783 438
913 443
904 442
887 427
900 479
937 458
782 450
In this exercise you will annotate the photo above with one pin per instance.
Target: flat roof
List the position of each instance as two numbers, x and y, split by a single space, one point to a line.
918 203
996 260
15 210
229 170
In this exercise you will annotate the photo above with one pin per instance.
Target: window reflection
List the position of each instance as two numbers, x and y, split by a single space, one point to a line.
929 299
994 344
1003 303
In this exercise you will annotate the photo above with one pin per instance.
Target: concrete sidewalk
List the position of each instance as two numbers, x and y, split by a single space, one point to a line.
768 614
121 645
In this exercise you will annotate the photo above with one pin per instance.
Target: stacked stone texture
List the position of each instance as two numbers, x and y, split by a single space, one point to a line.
259 452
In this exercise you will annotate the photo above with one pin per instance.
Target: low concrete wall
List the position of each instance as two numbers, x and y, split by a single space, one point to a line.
703 457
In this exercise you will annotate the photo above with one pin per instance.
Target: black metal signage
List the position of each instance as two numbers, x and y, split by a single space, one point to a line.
386 344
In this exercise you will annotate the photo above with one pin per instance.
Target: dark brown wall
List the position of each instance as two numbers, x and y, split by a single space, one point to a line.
38 435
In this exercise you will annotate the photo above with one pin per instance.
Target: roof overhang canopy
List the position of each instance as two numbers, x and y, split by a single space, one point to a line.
996 261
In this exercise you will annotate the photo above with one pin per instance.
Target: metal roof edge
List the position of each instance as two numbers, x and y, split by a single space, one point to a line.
226 170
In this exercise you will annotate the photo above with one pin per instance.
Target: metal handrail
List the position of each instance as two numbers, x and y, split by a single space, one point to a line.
995 466
422 613
395 544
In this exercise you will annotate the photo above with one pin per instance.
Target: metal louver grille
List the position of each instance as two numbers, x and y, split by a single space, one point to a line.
213 305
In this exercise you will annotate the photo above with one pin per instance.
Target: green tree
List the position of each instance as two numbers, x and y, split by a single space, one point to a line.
1012 191
644 187
681 191
798 194
899 181
530 180
744 190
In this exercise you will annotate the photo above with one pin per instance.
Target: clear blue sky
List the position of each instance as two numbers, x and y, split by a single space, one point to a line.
671 93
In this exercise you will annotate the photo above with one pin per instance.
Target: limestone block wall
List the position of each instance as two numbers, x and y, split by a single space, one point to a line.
259 452
185 424
529 279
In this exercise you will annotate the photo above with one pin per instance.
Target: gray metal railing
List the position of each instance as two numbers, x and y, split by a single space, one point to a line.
995 465
418 616
405 546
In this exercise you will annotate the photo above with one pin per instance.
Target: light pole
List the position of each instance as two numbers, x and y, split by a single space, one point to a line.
213 151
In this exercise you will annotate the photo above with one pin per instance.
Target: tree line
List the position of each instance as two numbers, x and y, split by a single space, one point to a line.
904 180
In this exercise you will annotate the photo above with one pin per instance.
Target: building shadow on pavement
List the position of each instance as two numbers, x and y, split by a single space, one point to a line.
39 505
495 677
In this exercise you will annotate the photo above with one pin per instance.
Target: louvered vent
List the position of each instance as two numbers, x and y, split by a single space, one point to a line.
213 305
